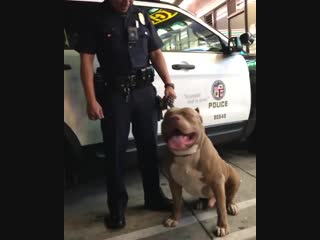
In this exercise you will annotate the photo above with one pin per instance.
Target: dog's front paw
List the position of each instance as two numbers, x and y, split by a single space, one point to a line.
221 231
232 209
170 222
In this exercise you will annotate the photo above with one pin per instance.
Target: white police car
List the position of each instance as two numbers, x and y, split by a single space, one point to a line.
206 67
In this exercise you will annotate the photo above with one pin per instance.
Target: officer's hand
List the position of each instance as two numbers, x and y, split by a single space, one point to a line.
169 92
94 111
170 95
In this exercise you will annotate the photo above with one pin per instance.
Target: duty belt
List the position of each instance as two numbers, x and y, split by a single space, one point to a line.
125 84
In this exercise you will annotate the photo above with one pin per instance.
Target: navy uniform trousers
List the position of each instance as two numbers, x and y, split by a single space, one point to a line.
141 111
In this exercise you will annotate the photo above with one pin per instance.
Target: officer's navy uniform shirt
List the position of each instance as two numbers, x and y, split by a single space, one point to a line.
107 36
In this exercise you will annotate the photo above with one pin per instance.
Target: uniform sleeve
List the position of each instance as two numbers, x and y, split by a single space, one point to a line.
155 41
87 42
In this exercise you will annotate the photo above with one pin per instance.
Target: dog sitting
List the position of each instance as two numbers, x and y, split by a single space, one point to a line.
195 165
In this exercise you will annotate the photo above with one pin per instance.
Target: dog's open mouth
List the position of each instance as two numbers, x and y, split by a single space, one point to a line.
180 141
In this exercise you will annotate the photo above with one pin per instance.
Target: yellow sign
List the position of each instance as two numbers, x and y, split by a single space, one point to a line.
161 16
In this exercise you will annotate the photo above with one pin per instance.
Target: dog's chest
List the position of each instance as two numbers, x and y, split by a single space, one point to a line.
189 179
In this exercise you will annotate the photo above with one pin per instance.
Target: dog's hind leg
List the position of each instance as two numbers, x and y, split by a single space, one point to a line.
232 186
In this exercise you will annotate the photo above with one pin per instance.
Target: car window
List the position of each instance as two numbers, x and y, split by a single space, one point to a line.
181 33
177 31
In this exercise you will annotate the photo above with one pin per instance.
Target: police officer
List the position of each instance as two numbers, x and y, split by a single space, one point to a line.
125 42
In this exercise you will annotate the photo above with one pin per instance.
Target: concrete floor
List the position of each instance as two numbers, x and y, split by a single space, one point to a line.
85 207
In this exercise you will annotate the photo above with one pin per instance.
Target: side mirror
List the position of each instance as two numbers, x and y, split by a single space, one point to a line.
234 45
246 38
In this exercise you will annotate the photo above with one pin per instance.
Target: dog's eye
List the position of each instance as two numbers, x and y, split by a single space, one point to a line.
191 115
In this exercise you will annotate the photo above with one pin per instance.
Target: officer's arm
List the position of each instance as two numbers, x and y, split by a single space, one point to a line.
87 74
159 64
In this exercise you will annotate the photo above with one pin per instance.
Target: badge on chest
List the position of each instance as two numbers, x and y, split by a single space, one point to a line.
141 18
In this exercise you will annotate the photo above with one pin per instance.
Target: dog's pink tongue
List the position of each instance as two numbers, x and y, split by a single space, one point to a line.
178 142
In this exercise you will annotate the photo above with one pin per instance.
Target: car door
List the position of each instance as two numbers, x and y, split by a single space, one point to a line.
204 76
75 105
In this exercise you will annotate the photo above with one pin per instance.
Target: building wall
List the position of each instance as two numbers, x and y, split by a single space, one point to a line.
252 22
231 17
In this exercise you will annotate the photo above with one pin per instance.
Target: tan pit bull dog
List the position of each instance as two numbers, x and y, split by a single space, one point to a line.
195 165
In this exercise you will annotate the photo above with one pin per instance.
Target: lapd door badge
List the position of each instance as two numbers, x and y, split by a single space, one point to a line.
141 19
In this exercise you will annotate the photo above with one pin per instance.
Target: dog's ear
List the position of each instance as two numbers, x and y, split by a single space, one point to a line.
201 119
198 111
